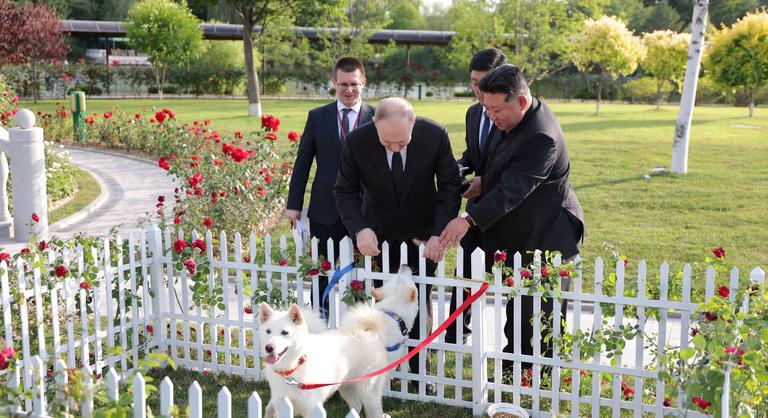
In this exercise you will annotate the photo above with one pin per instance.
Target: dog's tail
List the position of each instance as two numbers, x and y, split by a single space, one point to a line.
362 321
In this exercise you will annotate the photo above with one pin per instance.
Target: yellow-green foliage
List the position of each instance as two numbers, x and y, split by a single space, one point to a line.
606 46
666 53
738 56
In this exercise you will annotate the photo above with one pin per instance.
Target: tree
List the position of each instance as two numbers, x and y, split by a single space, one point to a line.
405 15
682 126
261 13
477 26
30 34
738 56
633 12
665 57
606 48
661 16
167 32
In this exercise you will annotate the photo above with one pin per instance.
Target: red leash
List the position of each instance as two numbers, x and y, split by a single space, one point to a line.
413 352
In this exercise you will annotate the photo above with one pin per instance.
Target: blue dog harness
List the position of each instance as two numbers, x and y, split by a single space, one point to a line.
403 331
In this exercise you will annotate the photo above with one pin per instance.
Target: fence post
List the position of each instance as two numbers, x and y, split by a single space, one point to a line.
480 374
5 217
25 146
254 406
156 273
38 387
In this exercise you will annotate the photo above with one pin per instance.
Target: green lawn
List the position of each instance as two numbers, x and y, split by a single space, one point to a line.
720 202
87 191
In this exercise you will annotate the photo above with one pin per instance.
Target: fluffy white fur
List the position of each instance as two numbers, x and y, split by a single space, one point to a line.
355 349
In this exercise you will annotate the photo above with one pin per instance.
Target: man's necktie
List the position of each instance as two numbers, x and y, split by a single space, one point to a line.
485 132
345 122
397 172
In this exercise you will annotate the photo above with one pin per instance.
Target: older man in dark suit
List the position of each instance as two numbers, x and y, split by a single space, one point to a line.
324 134
527 199
405 168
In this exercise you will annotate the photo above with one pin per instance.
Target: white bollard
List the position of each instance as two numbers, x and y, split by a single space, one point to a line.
28 180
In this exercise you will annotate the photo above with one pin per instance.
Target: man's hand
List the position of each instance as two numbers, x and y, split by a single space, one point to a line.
432 250
475 187
367 242
293 216
453 233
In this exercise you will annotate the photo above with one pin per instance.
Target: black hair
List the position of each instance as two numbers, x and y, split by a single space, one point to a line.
348 65
506 79
487 60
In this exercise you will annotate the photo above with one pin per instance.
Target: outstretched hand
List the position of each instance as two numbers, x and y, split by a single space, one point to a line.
432 250
453 233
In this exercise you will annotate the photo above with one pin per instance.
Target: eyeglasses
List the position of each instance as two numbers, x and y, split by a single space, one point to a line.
353 86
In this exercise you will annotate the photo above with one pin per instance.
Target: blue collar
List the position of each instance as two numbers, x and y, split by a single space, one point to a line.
403 330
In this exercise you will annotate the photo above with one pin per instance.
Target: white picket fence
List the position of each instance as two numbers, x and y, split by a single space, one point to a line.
109 331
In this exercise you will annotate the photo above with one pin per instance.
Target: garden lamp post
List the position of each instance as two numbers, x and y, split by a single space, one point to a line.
78 115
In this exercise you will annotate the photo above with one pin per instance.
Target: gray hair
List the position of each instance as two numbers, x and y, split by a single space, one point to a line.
394 108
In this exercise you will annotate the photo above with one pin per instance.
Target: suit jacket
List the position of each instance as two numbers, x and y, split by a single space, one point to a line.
320 142
472 158
429 199
528 202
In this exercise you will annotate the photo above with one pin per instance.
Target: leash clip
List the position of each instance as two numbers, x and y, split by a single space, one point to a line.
291 381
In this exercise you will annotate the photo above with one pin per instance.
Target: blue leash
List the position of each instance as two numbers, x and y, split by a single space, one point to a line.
335 279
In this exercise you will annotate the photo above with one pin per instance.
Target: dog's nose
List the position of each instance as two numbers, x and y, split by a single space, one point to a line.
270 348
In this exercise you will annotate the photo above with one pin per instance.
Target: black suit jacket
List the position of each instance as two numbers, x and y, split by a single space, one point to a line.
472 158
430 197
320 141
528 202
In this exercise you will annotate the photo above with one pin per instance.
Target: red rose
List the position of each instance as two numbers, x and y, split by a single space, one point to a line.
85 285
626 390
190 265
25 251
208 222
5 356
509 281
565 273
151 120
723 291
313 271
161 199
196 179
159 117
293 136
238 135
326 265
176 221
694 331
499 256
179 245
4 257
42 246
199 244
107 115
525 274
718 252
568 380
137 116
268 179
667 402
239 155
248 310
544 271
626 261
150 329
164 164
61 270
270 122
701 403
356 285
734 350
35 217
283 262
710 316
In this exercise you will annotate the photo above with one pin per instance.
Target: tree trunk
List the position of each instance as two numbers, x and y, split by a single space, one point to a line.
34 82
599 94
158 81
751 93
254 98
659 86
688 97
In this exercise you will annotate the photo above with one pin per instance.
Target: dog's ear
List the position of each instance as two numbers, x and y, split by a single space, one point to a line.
412 293
376 294
265 312
295 314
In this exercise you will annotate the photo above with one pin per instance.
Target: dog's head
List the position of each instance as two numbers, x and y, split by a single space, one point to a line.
281 332
399 294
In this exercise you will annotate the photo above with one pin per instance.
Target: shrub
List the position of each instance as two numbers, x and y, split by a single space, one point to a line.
643 90
462 93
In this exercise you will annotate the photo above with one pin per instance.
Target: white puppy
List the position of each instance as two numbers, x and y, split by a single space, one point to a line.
370 336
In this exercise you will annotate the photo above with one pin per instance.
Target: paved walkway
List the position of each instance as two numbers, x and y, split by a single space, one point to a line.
129 190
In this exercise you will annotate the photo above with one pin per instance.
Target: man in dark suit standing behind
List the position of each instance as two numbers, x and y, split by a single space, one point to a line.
410 181
480 131
324 134
527 200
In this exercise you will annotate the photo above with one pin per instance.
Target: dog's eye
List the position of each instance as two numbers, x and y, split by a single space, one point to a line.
284 332
268 331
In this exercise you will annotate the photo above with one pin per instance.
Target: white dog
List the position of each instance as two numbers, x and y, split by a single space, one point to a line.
370 336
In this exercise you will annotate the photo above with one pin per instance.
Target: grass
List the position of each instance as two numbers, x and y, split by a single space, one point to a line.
87 191
674 218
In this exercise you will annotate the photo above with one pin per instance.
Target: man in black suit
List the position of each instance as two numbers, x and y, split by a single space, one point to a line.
324 134
527 200
479 133
410 183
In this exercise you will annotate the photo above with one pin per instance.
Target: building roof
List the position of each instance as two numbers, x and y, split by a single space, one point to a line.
225 31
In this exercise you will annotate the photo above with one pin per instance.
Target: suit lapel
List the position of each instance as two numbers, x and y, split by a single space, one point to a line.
366 114
380 161
474 128
332 126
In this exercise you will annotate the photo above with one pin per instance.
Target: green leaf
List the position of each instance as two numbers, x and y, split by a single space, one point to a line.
687 353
